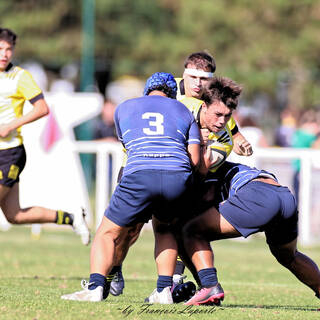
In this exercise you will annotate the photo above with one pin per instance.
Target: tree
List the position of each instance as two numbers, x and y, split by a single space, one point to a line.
258 43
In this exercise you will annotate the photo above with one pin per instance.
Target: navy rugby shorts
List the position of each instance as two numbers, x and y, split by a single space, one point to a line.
258 206
141 194
12 162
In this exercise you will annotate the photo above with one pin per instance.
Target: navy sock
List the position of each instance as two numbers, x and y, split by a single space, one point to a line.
208 277
96 280
163 282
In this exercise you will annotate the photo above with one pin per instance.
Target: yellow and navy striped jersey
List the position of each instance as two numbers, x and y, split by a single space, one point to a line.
16 86
180 86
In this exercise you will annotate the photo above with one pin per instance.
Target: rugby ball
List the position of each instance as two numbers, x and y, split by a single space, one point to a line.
218 153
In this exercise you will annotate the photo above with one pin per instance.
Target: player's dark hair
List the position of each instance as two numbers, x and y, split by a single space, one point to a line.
8 36
202 60
222 89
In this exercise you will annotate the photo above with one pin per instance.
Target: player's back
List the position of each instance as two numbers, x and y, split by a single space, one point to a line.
155 131
235 175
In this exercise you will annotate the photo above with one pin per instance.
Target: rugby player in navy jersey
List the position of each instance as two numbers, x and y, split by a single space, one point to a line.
16 87
251 201
162 141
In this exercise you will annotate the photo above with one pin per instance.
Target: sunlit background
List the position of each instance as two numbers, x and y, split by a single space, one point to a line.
109 47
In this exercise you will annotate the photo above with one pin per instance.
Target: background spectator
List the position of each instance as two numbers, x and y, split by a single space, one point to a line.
286 129
104 128
304 137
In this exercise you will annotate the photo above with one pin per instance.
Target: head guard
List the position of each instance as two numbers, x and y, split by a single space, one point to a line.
161 81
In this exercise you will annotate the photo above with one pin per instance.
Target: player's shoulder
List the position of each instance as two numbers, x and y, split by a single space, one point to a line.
193 104
15 71
231 123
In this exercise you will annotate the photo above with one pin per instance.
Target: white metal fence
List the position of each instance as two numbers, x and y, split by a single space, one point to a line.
276 160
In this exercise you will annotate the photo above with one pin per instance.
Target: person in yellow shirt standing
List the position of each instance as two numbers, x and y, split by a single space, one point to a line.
16 87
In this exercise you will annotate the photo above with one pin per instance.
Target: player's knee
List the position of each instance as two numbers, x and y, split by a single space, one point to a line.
14 219
134 232
284 256
190 230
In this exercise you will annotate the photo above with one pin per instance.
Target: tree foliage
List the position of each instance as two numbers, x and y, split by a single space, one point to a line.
257 43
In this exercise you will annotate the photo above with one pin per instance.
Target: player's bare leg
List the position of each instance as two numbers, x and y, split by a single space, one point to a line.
304 268
197 235
10 206
115 277
102 255
166 248
165 252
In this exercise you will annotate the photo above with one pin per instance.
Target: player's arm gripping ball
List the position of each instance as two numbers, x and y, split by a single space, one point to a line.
212 156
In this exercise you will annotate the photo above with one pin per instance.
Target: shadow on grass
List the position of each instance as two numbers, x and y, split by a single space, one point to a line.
44 278
249 306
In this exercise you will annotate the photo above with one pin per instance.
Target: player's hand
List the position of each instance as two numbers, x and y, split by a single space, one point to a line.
243 148
5 130
204 136
206 160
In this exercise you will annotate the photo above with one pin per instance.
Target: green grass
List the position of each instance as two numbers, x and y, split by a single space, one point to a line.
34 274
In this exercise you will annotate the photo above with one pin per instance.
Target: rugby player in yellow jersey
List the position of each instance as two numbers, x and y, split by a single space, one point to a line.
16 87
199 69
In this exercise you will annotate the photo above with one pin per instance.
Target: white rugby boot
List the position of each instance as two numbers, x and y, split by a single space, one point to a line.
95 295
80 227
163 297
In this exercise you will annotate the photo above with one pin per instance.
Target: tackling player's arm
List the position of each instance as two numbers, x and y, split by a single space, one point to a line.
194 143
194 154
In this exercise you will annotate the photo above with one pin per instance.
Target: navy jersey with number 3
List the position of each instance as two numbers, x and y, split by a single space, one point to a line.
155 131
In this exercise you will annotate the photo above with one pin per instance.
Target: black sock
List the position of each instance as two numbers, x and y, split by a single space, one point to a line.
179 267
64 217
113 271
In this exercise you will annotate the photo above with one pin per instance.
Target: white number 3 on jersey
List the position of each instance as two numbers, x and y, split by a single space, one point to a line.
155 123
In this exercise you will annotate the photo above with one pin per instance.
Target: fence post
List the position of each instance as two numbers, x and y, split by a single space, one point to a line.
305 199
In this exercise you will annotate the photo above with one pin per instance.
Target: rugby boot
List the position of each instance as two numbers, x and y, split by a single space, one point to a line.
117 284
80 227
208 296
85 294
163 297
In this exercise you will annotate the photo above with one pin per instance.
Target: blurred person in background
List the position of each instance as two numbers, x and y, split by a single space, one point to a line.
104 130
305 136
104 127
17 86
251 130
286 129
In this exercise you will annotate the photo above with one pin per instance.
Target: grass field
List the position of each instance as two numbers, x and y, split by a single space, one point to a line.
35 273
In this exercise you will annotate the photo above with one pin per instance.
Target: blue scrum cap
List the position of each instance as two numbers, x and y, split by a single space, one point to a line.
161 81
